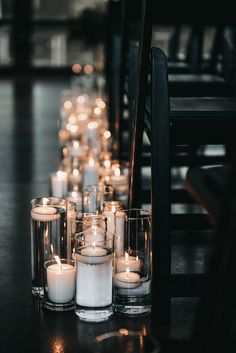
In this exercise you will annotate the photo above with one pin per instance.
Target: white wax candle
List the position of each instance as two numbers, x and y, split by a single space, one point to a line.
75 196
127 280
94 281
118 180
92 131
75 177
119 232
75 150
60 283
59 184
90 173
93 255
127 261
44 213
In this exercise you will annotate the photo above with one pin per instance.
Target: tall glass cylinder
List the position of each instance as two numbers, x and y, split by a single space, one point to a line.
49 236
95 196
94 269
133 267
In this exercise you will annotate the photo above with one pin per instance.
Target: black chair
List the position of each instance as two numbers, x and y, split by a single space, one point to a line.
169 122
172 122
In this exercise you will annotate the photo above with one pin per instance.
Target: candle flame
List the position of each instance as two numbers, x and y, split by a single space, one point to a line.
75 144
91 162
107 134
72 119
117 171
67 104
80 99
74 194
126 256
61 174
97 111
93 125
75 172
107 163
45 201
82 116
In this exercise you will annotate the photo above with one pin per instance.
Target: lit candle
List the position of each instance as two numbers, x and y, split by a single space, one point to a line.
61 282
127 279
127 261
109 212
76 197
75 150
94 277
44 213
59 183
92 131
75 177
90 174
118 179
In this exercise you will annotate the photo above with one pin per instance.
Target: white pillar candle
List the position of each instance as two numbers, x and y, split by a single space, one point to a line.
127 279
59 184
92 131
44 213
60 283
75 150
90 173
119 232
76 197
94 277
75 177
127 261
118 178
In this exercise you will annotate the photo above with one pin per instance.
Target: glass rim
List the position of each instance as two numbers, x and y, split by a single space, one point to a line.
147 214
38 201
63 261
96 188
89 242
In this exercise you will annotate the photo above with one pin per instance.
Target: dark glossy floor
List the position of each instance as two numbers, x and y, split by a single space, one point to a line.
29 151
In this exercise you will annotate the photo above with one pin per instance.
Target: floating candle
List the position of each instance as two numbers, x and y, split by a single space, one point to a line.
127 279
127 261
60 282
44 213
94 277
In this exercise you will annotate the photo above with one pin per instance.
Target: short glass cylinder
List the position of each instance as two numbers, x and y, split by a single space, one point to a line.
49 236
94 268
94 197
133 254
59 285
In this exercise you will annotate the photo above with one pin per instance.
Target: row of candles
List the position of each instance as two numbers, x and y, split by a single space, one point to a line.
86 148
102 239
